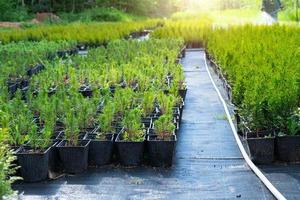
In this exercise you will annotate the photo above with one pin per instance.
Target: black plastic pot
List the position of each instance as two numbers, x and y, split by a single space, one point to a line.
33 166
31 72
112 89
261 150
176 113
288 148
74 51
24 84
62 54
161 152
12 88
100 151
86 91
74 158
55 164
61 135
130 153
182 93
183 52
147 122
52 91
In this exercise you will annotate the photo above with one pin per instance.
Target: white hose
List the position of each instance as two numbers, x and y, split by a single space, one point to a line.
258 173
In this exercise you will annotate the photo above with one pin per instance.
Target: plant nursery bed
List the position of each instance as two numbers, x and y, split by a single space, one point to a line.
207 161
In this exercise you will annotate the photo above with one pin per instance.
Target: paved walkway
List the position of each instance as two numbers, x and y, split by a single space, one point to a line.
207 164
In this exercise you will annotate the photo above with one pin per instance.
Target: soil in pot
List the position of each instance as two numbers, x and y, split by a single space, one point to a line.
288 148
74 158
130 153
33 164
261 150
100 149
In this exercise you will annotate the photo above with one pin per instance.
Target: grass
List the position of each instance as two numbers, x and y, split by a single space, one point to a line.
235 16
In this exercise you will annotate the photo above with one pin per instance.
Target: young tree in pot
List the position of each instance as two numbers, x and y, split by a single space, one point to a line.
162 143
21 121
33 158
130 142
124 100
179 81
178 103
73 152
148 108
166 104
55 166
101 146
114 78
147 104
86 110
288 144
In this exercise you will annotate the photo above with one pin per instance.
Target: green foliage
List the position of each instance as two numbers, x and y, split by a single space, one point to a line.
133 129
166 103
293 126
86 33
124 100
148 103
72 127
142 7
97 14
106 119
190 30
21 122
264 79
164 127
10 11
17 58
7 170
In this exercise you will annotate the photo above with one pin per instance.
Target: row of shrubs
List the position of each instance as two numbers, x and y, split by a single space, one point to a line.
261 63
83 33
193 31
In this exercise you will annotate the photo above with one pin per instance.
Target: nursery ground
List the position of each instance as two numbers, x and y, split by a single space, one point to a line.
207 163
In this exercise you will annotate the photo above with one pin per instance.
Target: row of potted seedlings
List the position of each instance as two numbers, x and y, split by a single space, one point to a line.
40 52
265 147
120 121
266 97
20 61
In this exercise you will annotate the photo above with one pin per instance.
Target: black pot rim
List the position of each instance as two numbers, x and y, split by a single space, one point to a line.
98 140
27 153
289 136
174 139
61 144
261 138
129 142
